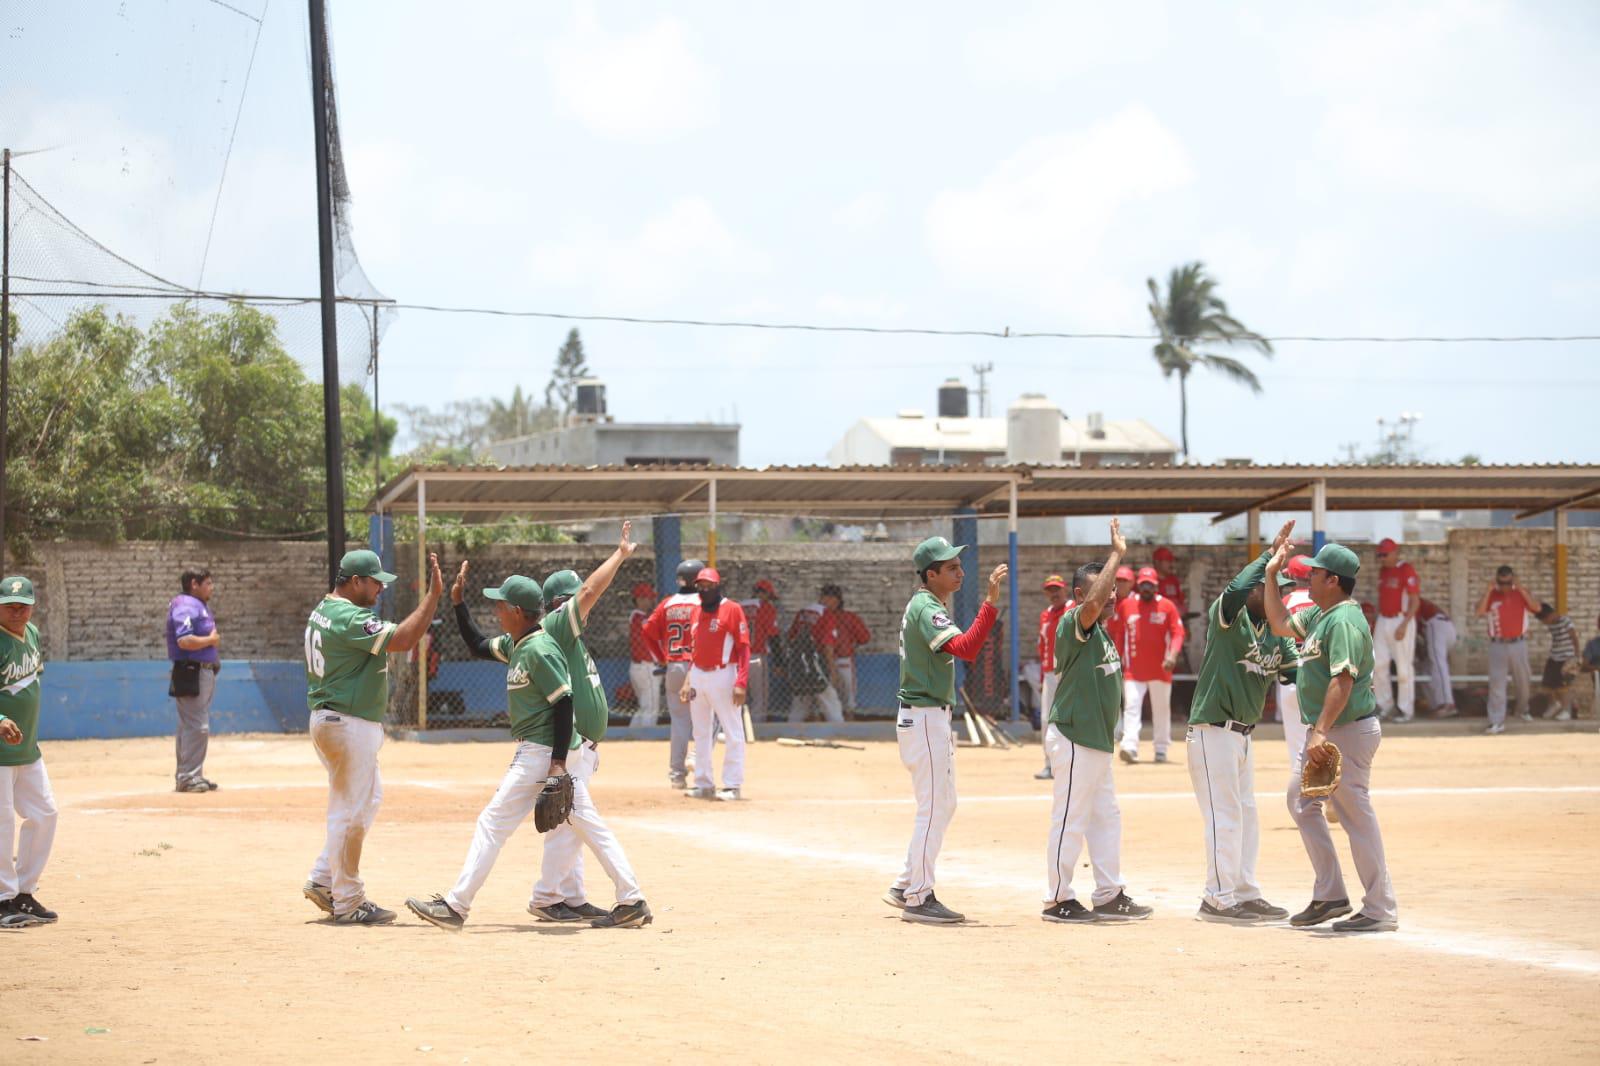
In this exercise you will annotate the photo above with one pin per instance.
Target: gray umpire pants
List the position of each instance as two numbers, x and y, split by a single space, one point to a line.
682 726
1508 657
193 732
1441 638
1358 743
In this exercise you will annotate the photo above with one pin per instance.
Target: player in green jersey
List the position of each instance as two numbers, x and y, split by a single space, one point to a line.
1243 658
347 690
1079 740
1334 680
930 643
24 784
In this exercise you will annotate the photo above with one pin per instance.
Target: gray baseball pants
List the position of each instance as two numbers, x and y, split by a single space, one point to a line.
682 726
1508 657
1352 801
193 732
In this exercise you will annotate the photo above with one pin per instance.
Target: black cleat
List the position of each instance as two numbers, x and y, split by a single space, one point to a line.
587 911
1362 924
931 912
895 897
1267 911
1319 911
1069 912
1234 915
367 913
1123 909
554 912
436 911
625 916
26 904
12 918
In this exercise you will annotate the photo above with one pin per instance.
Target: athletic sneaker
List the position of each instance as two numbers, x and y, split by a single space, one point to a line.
1524 716
895 897
321 895
26 904
1234 915
1447 711
587 910
700 793
368 913
1046 774
1495 729
12 918
931 912
1123 909
1319 911
437 912
1127 756
193 785
677 780
625 916
1362 924
1161 756
1265 909
211 786
730 795
1556 713
554 912
1068 912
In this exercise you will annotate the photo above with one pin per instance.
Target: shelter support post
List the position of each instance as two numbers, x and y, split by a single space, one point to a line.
1561 560
970 594
1015 610
422 590
1319 515
666 535
711 527
1252 535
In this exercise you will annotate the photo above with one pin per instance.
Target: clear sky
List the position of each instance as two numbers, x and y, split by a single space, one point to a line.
1384 168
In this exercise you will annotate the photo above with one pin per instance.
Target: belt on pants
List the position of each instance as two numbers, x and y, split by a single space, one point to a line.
1506 640
1364 717
1231 726
908 707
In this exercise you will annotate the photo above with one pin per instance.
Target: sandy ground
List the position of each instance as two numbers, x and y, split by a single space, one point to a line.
184 934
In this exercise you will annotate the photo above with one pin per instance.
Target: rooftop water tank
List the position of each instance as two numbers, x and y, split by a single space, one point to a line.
1033 430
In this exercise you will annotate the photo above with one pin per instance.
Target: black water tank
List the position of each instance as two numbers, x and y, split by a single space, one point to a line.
591 397
953 399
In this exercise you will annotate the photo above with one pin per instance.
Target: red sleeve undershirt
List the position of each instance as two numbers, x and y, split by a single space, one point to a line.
969 643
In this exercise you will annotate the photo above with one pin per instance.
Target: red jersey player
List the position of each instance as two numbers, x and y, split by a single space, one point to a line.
1055 591
642 657
719 677
1152 638
667 629
1395 636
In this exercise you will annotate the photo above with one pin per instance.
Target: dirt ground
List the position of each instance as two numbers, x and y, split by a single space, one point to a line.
184 938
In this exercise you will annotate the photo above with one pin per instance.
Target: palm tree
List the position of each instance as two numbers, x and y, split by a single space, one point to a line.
1192 316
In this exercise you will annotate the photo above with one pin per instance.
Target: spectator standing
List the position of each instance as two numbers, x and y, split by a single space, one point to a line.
1562 665
643 654
839 633
1113 616
762 615
192 647
715 689
1055 593
1506 603
1152 637
1438 638
1395 638
1168 583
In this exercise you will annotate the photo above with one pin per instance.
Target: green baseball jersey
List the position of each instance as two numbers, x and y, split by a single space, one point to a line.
346 668
1089 694
536 677
21 667
1335 641
1241 660
927 674
590 710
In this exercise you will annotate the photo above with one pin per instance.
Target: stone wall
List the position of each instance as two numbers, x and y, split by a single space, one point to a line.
109 601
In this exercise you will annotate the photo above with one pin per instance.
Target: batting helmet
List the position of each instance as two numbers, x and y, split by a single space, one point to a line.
688 569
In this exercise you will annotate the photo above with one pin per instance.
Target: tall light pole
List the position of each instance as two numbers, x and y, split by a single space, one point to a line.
332 432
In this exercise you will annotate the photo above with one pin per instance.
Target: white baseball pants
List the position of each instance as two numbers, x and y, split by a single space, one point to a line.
1386 647
25 790
928 751
712 706
826 703
1441 639
512 802
348 748
561 873
1222 770
1084 810
647 690
1160 714
1047 696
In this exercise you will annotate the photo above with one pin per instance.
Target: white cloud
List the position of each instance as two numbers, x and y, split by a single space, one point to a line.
1054 42
684 247
646 86
864 212
1041 224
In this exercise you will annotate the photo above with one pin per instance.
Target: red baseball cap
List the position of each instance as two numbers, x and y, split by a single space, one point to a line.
643 589
710 575
1148 573
1387 546
1164 553
1055 581
766 585
1299 567
1124 573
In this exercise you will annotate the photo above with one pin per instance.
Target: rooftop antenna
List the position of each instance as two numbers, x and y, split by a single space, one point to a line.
983 370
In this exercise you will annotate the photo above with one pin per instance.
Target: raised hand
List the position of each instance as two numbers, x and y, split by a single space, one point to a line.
1283 534
1118 545
627 547
458 587
435 578
997 578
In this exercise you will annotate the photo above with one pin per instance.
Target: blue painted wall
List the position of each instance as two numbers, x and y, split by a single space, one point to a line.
129 699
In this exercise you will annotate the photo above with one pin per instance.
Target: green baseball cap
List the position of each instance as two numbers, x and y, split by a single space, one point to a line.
518 591
364 563
933 551
1336 559
16 589
561 583
1285 581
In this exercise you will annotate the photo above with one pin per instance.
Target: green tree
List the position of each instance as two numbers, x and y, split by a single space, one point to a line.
519 417
570 368
1190 318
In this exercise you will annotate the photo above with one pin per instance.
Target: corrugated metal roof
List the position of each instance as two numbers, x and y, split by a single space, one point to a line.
562 492
989 435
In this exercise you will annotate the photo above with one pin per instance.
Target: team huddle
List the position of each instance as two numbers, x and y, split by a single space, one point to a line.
1313 642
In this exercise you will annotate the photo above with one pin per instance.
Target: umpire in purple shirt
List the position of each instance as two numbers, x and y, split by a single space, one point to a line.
192 646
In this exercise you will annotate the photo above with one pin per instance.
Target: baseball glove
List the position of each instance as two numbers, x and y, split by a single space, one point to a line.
554 805
1319 781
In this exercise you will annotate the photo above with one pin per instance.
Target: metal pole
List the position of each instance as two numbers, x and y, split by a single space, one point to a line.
332 433
1319 515
422 590
5 343
377 420
711 528
1561 560
1252 534
1016 611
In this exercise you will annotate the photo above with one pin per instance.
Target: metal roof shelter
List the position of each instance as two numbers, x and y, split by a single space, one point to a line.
555 493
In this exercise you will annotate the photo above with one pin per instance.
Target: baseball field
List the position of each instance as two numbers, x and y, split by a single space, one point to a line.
184 937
